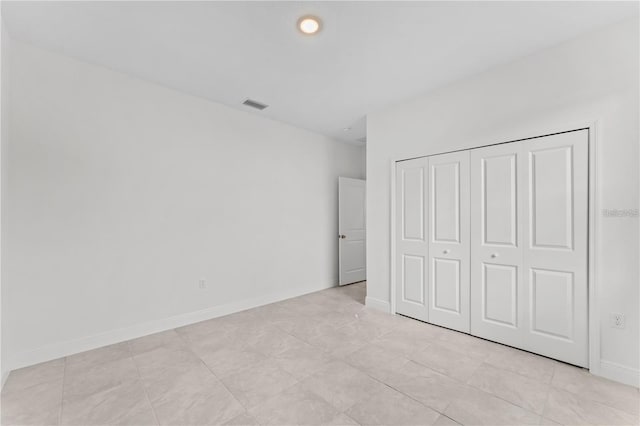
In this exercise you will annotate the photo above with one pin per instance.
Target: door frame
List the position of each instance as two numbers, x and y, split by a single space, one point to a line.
593 230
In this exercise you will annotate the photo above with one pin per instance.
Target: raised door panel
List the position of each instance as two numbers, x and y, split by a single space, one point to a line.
413 214
552 304
449 240
411 295
446 284
413 279
551 192
499 302
445 202
499 199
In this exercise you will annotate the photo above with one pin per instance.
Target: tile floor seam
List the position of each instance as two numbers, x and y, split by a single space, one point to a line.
144 388
64 379
465 384
399 391
507 401
510 402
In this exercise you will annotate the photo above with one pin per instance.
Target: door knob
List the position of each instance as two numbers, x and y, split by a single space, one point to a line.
494 255
342 237
446 251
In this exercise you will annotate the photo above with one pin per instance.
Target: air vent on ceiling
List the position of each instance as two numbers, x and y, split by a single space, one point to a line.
254 104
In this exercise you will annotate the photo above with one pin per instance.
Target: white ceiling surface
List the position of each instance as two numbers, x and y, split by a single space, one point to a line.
368 55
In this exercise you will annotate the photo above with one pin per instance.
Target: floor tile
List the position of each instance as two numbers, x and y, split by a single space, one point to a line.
524 363
376 361
165 388
227 362
117 405
341 385
165 361
36 405
469 345
200 404
305 328
34 375
244 419
445 421
273 342
474 407
295 406
366 330
403 342
569 409
143 418
389 407
257 383
579 381
520 390
337 343
86 381
448 362
302 361
433 389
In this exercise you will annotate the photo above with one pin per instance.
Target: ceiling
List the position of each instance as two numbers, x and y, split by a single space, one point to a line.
368 54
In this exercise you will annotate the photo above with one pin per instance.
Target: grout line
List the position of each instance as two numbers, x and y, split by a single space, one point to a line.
142 383
64 379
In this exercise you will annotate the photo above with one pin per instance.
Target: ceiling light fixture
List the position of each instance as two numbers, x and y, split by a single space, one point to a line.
346 129
309 24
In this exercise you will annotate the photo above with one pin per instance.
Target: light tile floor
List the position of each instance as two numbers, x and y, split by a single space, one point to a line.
322 358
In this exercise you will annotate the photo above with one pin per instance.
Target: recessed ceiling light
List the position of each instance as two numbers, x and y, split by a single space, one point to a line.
346 129
309 24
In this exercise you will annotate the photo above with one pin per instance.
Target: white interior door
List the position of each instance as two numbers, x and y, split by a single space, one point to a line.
497 289
449 240
411 238
529 245
555 245
351 230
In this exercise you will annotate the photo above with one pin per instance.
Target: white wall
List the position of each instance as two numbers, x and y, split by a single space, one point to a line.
123 195
594 77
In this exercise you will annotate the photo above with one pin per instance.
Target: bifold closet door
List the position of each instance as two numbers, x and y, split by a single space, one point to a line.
449 240
411 238
497 295
529 210
555 245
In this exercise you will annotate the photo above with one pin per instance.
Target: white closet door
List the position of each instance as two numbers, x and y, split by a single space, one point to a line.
529 245
555 245
449 240
411 238
497 290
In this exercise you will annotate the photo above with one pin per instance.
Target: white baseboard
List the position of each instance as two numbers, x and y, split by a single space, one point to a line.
619 373
381 305
70 347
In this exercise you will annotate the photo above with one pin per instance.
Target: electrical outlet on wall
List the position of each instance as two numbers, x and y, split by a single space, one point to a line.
617 320
202 284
